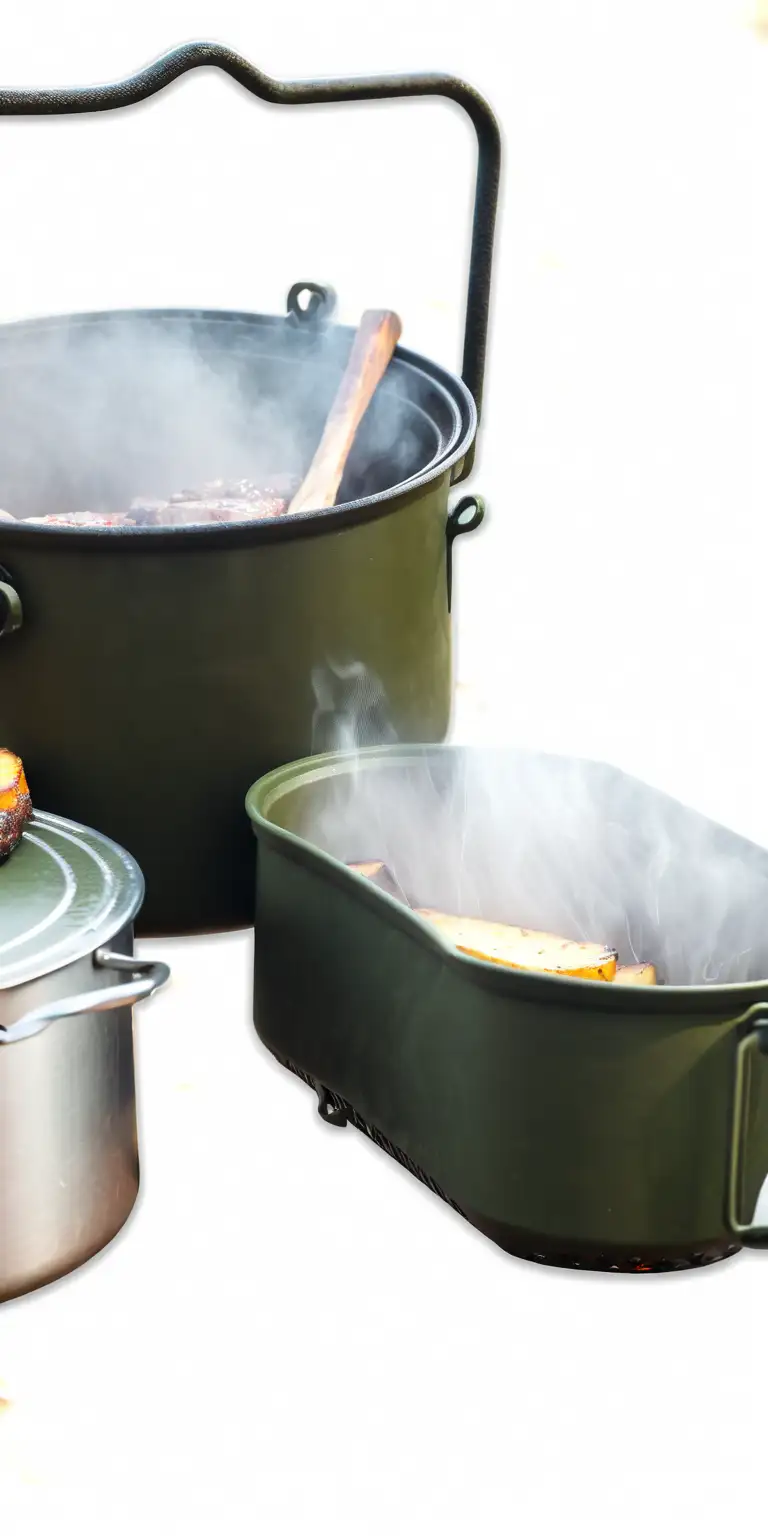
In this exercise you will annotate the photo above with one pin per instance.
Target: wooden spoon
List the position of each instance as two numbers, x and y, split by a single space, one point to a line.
376 339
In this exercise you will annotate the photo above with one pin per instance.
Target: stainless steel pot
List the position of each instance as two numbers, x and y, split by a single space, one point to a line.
69 1167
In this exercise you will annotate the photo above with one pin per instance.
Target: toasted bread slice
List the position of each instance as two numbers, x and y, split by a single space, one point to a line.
642 975
524 949
15 802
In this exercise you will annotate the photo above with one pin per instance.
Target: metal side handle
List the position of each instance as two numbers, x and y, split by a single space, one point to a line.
11 612
146 976
755 1037
163 71
464 517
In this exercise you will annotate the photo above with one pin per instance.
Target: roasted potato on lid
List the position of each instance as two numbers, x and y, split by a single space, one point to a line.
15 802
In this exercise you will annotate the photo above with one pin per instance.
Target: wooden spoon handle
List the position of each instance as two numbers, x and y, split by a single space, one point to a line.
376 339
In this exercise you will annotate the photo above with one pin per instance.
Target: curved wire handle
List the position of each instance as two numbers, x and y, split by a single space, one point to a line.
156 76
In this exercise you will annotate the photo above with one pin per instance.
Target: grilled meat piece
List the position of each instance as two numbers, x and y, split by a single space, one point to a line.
84 520
218 501
15 802
209 510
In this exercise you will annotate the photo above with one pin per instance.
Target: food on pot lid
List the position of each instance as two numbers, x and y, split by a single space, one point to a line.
640 975
524 949
15 802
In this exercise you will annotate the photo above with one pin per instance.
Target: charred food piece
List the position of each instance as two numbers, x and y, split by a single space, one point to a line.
641 975
524 949
15 802
380 875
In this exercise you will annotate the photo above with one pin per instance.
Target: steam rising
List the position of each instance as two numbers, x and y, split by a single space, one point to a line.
96 413
572 847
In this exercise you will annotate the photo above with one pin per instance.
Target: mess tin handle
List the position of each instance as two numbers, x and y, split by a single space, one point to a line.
755 1036
145 978
156 76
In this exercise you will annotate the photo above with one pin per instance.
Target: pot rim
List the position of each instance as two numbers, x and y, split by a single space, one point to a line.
539 987
348 515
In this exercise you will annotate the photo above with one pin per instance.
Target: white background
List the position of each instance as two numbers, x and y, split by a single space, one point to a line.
292 1333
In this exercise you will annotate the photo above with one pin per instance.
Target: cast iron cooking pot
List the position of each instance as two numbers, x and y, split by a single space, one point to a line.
69 1165
573 1122
145 672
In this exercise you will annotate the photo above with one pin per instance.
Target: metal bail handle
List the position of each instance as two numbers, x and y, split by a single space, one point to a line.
156 76
755 1024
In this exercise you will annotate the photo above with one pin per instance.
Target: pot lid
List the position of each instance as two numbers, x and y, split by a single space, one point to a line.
64 891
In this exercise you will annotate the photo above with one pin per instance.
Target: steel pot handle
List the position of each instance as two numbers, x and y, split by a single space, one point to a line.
156 76
145 978
755 1035
11 612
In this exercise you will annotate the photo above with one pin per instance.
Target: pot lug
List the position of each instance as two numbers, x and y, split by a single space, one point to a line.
319 306
464 517
11 611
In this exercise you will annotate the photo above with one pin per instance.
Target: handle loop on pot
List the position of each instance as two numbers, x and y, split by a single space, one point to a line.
464 517
755 1035
146 976
319 306
11 611
156 76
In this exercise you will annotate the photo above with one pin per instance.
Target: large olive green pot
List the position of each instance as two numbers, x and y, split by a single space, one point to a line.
147 674
573 1122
